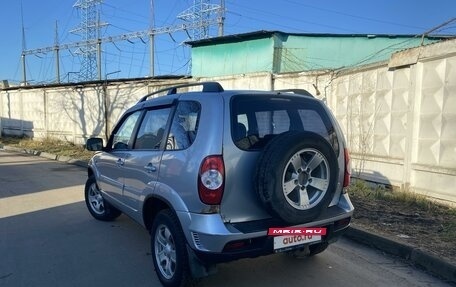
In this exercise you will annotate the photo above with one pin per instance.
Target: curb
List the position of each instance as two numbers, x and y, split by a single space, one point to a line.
50 156
426 261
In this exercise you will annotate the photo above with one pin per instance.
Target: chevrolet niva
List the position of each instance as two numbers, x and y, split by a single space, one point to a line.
210 172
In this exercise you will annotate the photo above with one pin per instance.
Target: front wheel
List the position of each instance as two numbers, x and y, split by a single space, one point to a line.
169 252
98 207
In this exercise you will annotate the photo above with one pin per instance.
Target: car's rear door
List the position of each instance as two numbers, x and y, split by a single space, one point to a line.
262 118
142 162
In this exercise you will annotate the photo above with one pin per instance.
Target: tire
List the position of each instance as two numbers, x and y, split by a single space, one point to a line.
296 176
98 207
169 252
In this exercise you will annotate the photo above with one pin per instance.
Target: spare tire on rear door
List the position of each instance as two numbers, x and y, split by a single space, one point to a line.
296 176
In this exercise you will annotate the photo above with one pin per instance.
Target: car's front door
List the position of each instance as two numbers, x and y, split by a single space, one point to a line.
111 163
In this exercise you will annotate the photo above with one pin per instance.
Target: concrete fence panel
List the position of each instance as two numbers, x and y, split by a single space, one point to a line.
399 122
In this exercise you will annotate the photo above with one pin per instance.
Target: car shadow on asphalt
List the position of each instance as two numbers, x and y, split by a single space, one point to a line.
65 246
20 175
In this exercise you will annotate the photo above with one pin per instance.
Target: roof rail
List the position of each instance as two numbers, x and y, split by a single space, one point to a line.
208 87
296 91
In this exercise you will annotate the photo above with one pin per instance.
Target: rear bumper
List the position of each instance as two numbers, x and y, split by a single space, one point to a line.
261 246
213 240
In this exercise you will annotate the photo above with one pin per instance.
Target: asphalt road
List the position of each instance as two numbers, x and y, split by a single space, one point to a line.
48 238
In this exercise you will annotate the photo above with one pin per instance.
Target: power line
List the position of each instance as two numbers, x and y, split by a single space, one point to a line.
200 13
353 16
90 47
300 20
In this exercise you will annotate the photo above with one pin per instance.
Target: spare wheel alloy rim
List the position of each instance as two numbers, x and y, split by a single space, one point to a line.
305 179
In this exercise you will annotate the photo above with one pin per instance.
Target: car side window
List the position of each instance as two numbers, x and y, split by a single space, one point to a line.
123 136
184 126
152 129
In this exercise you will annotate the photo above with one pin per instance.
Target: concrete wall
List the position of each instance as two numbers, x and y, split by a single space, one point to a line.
71 112
399 117
399 121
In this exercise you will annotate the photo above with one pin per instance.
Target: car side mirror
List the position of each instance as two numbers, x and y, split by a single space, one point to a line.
94 144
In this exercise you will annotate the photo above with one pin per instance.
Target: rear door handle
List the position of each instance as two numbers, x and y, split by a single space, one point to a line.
150 167
120 162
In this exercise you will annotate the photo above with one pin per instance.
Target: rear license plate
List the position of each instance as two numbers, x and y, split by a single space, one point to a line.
287 242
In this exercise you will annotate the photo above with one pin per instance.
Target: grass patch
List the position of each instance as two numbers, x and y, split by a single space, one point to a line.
360 188
405 202
449 231
50 145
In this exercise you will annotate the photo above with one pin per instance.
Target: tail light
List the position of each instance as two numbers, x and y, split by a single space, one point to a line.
211 180
347 173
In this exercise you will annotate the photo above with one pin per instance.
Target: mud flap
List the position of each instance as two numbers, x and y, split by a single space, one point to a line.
197 268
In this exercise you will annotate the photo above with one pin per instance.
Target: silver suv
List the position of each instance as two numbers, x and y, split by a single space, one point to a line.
209 173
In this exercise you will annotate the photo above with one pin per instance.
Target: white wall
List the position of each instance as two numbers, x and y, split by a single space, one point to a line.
399 121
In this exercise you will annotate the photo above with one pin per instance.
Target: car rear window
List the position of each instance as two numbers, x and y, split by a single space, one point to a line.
256 119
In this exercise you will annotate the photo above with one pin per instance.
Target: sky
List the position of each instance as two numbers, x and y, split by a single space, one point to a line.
130 59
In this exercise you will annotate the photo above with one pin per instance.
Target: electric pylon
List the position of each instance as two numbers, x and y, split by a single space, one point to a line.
200 14
89 29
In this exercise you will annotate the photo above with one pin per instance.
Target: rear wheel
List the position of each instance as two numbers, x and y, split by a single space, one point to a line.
98 207
169 252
